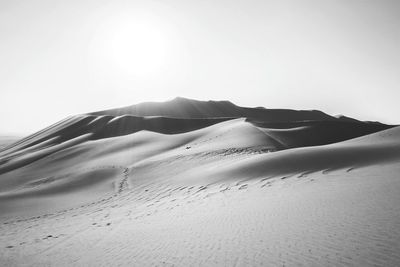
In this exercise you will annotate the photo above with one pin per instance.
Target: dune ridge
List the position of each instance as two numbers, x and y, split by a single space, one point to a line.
289 128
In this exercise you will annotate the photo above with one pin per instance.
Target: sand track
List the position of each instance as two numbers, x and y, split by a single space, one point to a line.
222 224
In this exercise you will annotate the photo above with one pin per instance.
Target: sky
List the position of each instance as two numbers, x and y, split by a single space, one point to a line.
61 58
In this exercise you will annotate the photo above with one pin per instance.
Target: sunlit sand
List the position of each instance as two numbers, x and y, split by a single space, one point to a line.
189 183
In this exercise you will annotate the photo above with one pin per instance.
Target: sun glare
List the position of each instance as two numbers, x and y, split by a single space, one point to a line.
137 46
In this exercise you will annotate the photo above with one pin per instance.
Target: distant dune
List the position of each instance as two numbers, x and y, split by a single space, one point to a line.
7 140
208 183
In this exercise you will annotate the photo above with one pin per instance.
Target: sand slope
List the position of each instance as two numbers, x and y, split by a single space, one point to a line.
102 189
7 140
285 128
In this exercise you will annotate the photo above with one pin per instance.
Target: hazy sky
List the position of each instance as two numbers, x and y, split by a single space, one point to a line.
60 58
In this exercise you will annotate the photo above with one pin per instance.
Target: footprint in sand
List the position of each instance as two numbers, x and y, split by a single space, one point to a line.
266 184
304 174
243 187
225 189
201 188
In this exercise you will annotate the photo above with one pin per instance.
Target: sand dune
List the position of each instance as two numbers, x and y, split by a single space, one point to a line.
287 128
313 133
188 108
7 140
190 182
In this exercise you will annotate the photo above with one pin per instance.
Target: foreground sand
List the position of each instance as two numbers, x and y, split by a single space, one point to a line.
337 218
218 196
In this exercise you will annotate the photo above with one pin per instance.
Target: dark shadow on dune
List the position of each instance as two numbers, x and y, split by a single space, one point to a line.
316 133
130 124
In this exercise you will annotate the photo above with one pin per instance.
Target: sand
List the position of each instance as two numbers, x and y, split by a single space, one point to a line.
210 191
7 140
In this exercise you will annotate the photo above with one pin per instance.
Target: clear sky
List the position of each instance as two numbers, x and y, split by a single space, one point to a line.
60 58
